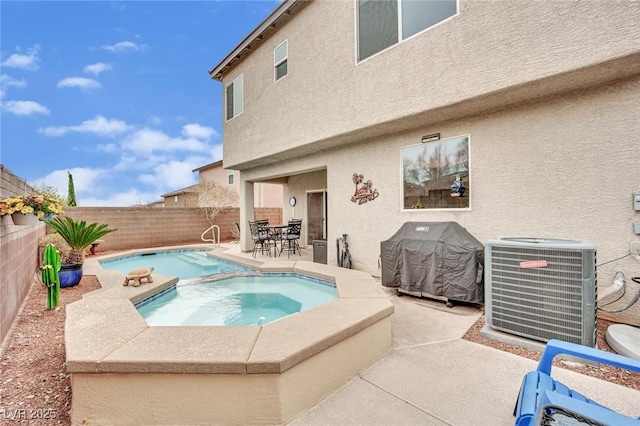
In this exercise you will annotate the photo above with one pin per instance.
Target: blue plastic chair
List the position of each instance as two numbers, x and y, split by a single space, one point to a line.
542 398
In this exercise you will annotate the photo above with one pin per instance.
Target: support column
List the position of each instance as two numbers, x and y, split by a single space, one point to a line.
247 213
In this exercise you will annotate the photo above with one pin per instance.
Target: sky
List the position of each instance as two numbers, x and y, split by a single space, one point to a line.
116 93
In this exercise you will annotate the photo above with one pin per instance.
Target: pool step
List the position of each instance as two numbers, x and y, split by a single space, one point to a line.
194 259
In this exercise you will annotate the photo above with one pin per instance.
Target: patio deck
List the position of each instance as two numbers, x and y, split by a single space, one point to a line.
434 377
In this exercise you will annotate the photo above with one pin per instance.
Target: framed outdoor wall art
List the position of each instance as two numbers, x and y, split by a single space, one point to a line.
435 174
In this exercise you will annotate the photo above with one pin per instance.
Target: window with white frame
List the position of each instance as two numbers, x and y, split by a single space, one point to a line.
383 23
234 93
435 175
230 177
280 56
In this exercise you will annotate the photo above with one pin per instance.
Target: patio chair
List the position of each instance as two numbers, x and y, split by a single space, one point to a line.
543 400
260 238
291 237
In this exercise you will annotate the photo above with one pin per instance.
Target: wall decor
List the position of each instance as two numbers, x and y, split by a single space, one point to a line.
364 191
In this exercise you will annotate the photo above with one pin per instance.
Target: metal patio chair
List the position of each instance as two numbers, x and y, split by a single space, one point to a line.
545 401
291 237
260 238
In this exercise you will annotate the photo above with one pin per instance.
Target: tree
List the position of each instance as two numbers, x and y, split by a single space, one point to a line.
71 196
214 198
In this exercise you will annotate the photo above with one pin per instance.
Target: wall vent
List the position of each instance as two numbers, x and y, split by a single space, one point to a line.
542 289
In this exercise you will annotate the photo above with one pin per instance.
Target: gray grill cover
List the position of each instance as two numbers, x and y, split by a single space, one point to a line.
438 258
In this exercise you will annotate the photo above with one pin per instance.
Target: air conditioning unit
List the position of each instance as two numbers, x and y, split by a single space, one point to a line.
542 289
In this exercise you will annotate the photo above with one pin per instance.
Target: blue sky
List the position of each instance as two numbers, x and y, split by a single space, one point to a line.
117 93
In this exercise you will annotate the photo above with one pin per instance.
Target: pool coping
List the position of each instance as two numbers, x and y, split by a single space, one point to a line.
95 343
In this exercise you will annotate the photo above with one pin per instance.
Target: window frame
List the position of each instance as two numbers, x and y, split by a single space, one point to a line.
234 85
230 177
399 38
277 63
467 181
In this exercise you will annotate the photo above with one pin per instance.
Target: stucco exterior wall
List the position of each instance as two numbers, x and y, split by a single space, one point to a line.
298 186
564 167
492 54
266 194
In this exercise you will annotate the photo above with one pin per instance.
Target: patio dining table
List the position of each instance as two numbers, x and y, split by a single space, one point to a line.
276 232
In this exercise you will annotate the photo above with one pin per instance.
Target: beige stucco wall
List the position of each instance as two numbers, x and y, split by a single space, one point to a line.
298 186
266 194
564 167
492 54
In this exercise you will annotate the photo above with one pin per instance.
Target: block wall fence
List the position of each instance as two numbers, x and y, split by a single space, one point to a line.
18 256
140 227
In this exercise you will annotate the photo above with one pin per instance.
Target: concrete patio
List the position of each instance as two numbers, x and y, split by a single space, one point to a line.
434 377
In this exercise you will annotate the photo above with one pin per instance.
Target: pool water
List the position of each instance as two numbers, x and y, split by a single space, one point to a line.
243 300
180 263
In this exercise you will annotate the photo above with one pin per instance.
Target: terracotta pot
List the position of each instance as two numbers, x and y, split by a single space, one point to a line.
25 219
70 275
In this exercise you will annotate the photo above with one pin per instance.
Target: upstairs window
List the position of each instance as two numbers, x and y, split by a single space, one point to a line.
230 177
234 98
280 55
383 23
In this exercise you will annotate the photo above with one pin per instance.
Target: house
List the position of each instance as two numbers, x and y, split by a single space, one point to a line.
533 106
184 197
266 194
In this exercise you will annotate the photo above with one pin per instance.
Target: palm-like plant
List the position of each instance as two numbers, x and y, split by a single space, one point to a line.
78 235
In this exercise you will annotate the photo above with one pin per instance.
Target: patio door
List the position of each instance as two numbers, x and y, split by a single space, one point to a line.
316 216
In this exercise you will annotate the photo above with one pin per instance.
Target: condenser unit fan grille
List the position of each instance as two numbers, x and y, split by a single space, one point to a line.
554 301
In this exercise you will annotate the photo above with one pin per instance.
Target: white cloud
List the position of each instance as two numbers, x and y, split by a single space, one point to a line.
90 182
109 148
146 141
199 132
28 61
124 46
130 197
6 80
85 180
24 107
97 68
98 125
171 175
86 84
216 154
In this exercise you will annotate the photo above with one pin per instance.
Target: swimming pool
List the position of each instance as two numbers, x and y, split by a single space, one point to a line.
243 300
181 263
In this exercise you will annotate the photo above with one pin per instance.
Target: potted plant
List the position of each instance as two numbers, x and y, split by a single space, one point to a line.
78 235
27 210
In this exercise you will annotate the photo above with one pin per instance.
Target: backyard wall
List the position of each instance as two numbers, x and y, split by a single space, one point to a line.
140 227
18 255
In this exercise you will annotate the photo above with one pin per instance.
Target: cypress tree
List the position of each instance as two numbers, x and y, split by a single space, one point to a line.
71 196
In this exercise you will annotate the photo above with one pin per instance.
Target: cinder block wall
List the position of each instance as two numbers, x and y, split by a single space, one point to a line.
140 227
18 255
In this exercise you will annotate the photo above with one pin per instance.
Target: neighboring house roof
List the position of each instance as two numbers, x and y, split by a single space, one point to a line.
208 166
187 190
277 18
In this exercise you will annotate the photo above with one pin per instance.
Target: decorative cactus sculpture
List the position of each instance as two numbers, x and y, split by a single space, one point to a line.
50 275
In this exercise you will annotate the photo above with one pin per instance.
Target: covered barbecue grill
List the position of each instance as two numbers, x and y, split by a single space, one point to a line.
434 259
